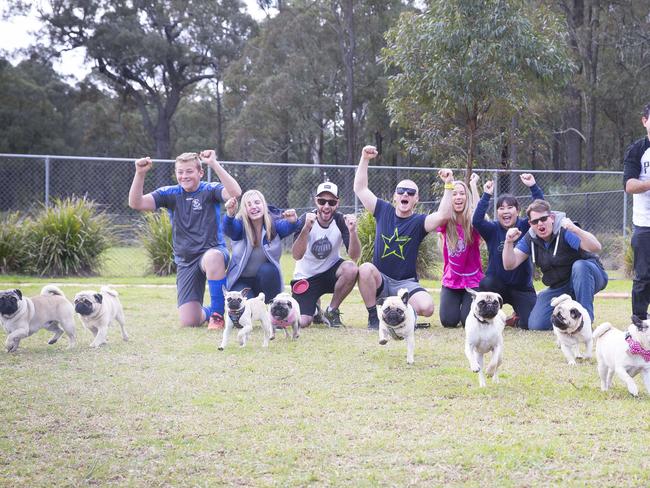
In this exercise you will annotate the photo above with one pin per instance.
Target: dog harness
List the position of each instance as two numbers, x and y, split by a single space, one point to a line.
288 322
235 315
636 348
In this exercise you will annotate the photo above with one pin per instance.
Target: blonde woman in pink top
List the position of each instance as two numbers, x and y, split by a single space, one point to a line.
461 255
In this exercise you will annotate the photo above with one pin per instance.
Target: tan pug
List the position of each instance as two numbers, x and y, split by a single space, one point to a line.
98 310
397 320
241 312
572 327
22 316
624 353
284 312
484 333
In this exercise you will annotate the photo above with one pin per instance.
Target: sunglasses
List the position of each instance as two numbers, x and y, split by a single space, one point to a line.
323 201
409 191
536 221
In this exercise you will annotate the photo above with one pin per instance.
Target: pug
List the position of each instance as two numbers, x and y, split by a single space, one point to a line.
484 333
572 327
241 312
284 312
22 316
624 353
397 320
98 310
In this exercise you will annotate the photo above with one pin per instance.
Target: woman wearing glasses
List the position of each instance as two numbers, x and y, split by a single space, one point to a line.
564 253
256 244
514 286
462 266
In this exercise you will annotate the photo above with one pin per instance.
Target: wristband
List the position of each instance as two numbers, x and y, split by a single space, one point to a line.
449 186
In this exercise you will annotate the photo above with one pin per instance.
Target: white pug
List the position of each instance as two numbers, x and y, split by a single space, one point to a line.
22 316
624 353
98 310
572 327
241 312
284 312
484 333
397 320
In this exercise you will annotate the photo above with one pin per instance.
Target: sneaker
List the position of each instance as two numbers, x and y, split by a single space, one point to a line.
513 320
318 316
332 318
216 321
373 322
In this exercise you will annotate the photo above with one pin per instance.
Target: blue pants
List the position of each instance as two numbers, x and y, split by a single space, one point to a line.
267 280
587 279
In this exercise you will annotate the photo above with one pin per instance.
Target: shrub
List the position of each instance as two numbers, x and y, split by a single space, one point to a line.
13 239
69 238
428 256
156 237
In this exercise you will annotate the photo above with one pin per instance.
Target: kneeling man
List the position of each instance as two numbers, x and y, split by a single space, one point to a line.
319 267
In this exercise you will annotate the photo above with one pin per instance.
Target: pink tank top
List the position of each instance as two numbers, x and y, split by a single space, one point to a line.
462 266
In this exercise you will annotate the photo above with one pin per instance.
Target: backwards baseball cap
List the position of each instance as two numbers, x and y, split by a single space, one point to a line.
328 187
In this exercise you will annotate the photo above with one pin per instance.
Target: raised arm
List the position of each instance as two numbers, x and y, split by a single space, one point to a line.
354 250
231 188
299 247
368 198
478 218
588 241
535 191
443 214
511 256
232 227
137 200
473 187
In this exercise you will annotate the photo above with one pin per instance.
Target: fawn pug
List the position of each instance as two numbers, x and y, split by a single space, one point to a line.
241 312
397 320
98 310
284 312
572 327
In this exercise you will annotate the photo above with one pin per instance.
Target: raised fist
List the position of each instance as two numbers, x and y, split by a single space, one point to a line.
446 175
310 218
474 178
143 165
369 152
513 234
291 215
527 179
488 187
351 222
231 207
208 155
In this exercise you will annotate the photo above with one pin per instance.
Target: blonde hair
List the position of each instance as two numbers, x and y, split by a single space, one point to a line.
451 232
242 214
189 157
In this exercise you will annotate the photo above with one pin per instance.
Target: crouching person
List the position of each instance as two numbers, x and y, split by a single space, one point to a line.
319 266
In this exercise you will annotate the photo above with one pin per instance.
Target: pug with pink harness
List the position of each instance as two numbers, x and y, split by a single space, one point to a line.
284 312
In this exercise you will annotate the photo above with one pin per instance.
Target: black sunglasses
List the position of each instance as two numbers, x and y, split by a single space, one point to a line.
323 201
543 218
400 190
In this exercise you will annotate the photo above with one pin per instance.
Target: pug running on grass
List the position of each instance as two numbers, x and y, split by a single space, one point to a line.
22 316
572 327
284 312
397 320
484 333
241 312
98 310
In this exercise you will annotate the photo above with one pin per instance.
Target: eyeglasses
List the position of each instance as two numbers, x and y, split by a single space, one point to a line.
400 190
323 201
536 221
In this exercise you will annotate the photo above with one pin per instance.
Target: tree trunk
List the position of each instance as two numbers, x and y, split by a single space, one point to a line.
348 45
220 150
572 123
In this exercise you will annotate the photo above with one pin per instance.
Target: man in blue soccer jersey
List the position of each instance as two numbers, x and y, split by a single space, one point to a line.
200 252
398 236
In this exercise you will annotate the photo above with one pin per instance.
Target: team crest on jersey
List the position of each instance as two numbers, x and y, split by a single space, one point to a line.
321 248
196 204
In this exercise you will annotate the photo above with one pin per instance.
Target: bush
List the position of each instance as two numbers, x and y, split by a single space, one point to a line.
68 238
156 237
429 257
13 239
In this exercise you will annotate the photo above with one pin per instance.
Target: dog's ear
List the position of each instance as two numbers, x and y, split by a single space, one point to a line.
405 297
380 301
98 297
500 300
245 291
289 304
471 292
19 293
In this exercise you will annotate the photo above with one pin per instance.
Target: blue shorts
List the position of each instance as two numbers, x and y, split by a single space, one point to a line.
190 278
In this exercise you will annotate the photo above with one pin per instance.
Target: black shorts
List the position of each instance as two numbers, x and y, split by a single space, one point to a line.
319 285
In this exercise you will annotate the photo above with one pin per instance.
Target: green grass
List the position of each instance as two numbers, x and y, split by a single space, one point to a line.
331 409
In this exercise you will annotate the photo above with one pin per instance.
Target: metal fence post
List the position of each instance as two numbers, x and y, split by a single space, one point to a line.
495 194
47 181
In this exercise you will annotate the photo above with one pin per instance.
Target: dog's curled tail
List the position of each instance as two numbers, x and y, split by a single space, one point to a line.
262 297
52 290
109 290
601 329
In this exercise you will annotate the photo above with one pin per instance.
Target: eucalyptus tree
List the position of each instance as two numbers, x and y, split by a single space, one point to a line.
461 63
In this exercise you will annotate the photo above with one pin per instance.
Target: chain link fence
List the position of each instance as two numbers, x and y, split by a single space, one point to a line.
595 200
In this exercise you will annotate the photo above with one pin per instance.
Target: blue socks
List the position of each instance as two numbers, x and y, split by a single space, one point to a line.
217 300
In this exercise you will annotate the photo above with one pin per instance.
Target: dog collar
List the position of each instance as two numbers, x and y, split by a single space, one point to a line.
479 319
288 322
636 348
235 315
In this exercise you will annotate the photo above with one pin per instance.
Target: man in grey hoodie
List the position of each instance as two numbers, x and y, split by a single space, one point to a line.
564 253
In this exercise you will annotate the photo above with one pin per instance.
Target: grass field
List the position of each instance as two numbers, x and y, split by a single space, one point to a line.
331 409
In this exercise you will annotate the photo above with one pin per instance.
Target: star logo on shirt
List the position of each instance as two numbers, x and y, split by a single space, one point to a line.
394 245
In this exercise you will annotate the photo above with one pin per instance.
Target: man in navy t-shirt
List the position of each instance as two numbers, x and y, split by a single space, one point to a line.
398 236
199 249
